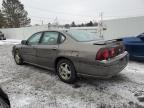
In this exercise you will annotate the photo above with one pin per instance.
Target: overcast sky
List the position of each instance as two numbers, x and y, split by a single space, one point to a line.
79 11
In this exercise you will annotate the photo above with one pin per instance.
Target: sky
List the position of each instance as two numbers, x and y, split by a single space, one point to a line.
66 11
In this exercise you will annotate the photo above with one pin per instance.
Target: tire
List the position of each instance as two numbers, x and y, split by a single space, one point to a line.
4 38
66 71
3 104
4 100
18 58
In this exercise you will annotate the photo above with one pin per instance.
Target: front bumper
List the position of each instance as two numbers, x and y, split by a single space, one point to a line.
105 69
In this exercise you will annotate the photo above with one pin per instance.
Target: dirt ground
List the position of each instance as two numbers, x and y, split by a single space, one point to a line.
32 87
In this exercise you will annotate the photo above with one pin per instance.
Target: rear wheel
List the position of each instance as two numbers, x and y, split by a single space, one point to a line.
18 58
66 71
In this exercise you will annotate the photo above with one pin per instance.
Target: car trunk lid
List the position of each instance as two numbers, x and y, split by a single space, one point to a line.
110 48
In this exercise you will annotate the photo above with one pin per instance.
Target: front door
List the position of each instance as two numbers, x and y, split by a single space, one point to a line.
29 50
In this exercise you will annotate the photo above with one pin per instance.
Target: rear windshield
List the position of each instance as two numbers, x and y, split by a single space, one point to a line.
83 36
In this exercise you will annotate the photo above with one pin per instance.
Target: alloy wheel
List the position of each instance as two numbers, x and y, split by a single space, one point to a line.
65 71
17 58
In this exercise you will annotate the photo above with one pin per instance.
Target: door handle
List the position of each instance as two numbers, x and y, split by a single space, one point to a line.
54 48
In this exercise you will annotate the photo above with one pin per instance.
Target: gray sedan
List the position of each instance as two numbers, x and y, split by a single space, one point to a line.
72 53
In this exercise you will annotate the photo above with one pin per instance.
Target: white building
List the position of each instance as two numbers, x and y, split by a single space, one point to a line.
123 27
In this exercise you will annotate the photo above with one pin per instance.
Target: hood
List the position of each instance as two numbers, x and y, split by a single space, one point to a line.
131 39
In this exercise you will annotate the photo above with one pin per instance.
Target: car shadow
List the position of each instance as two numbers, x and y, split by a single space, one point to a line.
97 82
120 78
40 69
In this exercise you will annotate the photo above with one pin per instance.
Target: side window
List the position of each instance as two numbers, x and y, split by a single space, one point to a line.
62 38
50 38
34 39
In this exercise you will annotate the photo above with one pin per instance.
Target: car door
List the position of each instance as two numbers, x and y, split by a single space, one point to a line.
47 50
29 50
138 47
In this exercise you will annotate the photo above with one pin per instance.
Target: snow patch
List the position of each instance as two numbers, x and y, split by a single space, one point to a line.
9 42
22 101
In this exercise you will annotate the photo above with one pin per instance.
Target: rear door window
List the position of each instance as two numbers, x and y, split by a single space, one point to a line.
50 38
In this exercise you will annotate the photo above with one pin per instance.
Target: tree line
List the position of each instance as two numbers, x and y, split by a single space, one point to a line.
13 14
89 24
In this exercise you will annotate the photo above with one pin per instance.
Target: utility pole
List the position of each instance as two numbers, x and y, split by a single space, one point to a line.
101 25
42 22
56 22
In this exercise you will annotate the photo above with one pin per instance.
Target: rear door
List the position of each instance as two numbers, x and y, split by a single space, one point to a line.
29 50
48 49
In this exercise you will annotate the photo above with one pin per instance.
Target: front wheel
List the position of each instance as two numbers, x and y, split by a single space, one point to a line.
66 71
4 38
18 58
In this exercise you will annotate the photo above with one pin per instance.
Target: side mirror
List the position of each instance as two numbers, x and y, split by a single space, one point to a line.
24 42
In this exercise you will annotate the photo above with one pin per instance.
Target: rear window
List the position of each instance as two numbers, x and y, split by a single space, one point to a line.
83 36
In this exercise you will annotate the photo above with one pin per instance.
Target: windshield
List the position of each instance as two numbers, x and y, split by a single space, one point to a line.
141 35
83 36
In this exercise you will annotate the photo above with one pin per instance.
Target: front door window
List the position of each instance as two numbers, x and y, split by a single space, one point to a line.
34 39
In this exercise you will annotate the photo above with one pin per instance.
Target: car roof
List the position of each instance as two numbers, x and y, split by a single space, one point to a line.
54 30
59 30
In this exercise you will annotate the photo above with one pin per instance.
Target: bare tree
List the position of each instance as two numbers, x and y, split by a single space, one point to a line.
2 20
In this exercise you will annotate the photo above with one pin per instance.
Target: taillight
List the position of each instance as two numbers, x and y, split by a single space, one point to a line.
112 52
103 54
119 50
106 53
123 48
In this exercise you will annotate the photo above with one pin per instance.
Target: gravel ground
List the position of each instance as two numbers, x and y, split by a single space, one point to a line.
31 87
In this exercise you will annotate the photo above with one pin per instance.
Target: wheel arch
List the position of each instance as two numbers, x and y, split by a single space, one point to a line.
15 49
74 72
60 58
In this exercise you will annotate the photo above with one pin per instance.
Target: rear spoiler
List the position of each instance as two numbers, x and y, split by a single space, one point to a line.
114 40
104 42
119 39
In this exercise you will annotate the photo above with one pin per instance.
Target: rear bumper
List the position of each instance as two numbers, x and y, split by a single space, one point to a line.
105 69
